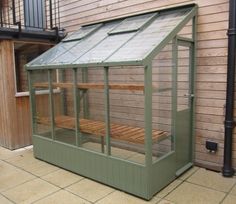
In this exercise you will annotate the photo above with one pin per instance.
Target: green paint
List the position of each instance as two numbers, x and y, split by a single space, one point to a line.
107 109
78 138
51 103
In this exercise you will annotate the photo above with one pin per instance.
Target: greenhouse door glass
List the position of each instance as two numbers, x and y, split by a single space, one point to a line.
184 104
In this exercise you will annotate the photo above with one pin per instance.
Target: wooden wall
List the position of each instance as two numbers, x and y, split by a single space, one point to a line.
211 58
7 105
15 127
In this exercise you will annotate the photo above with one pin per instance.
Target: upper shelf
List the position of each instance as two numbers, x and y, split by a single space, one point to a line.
85 86
132 87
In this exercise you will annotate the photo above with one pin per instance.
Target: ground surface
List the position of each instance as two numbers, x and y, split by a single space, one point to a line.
24 179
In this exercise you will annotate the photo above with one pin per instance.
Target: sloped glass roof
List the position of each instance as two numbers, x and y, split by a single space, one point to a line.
127 40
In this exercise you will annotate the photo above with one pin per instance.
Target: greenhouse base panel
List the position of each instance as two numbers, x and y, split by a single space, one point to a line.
123 175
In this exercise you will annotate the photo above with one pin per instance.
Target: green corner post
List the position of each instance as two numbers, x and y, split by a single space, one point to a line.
174 90
107 109
76 108
193 74
148 121
85 93
51 104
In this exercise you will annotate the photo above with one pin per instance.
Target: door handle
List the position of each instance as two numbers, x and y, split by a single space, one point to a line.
189 95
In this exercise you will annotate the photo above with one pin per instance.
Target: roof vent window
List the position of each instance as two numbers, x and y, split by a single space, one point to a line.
132 24
83 32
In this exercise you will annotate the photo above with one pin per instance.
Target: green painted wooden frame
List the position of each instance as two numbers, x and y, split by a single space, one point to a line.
141 180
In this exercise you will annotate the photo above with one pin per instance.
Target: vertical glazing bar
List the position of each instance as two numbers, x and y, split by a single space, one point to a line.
32 102
107 109
148 115
51 104
61 78
193 74
148 123
85 92
174 90
76 108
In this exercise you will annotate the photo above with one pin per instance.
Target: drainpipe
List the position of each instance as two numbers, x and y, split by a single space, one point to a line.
227 169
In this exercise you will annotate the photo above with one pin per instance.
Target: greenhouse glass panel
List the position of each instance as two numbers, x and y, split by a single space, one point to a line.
104 49
75 52
54 52
117 41
154 34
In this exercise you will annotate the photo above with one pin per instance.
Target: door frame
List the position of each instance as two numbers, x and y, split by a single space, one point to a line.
185 42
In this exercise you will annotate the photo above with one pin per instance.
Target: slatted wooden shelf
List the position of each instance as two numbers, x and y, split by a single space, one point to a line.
132 87
86 86
120 132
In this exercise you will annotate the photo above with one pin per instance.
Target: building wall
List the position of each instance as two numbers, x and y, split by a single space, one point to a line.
6 89
211 58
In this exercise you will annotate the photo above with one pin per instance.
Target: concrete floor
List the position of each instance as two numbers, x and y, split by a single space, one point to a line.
24 179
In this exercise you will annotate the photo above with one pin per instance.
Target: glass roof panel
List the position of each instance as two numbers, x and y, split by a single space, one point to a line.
132 24
137 48
82 32
104 49
113 41
85 45
52 53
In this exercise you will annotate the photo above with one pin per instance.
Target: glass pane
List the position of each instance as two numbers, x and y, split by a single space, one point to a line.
42 107
104 45
63 98
82 32
183 78
162 104
132 24
92 114
127 113
24 53
84 46
186 31
54 52
105 48
154 34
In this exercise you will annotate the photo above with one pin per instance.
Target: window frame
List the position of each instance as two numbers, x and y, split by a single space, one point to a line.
26 93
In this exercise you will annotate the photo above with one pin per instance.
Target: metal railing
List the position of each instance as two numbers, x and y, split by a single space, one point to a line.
30 14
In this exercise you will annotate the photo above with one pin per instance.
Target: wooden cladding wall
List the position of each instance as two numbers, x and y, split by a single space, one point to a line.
211 58
7 102
15 126
15 119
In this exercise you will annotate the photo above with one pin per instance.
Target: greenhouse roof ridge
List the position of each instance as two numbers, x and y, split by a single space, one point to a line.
133 40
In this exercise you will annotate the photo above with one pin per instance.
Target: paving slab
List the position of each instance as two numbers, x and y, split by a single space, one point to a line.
30 191
62 178
90 190
187 193
62 197
212 180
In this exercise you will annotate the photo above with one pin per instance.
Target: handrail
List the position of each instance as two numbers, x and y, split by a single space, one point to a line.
30 14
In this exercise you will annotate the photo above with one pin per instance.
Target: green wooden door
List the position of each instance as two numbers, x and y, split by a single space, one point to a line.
184 105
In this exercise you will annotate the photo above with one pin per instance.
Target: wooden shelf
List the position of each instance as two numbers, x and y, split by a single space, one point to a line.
132 87
119 132
85 86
